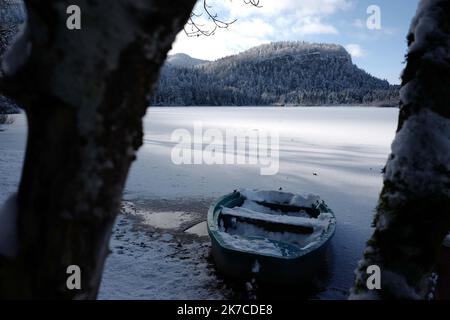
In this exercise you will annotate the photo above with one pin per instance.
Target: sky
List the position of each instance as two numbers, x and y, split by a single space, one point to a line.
377 45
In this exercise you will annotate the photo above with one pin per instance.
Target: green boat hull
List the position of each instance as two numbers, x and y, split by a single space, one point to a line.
300 266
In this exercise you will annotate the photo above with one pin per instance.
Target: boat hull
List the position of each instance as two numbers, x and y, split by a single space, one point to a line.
244 265
240 265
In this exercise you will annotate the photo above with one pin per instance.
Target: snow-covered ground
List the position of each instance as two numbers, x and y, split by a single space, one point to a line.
160 250
158 263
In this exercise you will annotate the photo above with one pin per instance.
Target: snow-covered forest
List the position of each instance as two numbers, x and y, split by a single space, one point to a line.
282 73
7 106
11 17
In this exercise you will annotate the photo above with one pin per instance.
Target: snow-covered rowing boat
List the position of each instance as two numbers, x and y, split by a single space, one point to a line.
273 236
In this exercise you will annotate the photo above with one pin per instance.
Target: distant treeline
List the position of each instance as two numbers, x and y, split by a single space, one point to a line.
286 73
11 16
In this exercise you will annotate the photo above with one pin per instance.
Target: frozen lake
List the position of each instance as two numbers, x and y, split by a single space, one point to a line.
337 153
346 147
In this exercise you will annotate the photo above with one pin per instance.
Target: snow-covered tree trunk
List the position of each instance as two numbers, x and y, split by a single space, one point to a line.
413 215
85 93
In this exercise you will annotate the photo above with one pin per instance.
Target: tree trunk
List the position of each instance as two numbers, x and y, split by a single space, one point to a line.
413 215
85 93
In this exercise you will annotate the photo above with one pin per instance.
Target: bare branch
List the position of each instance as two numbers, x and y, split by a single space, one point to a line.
194 29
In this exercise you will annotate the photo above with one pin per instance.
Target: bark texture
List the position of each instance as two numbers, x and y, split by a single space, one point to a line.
85 93
413 215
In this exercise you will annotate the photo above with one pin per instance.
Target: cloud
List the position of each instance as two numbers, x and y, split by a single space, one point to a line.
364 33
276 20
268 8
225 42
313 25
355 50
358 23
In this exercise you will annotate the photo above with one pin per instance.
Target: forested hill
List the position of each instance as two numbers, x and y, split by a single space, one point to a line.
12 14
183 60
283 73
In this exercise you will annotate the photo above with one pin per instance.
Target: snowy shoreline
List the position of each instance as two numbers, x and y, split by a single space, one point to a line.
147 262
154 261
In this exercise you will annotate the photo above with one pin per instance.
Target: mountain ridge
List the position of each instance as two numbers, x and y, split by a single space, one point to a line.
184 60
281 73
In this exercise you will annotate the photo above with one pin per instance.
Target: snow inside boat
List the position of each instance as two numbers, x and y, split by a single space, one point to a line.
272 236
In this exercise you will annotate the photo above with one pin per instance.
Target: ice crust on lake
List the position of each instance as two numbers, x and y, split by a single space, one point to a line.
166 220
199 229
